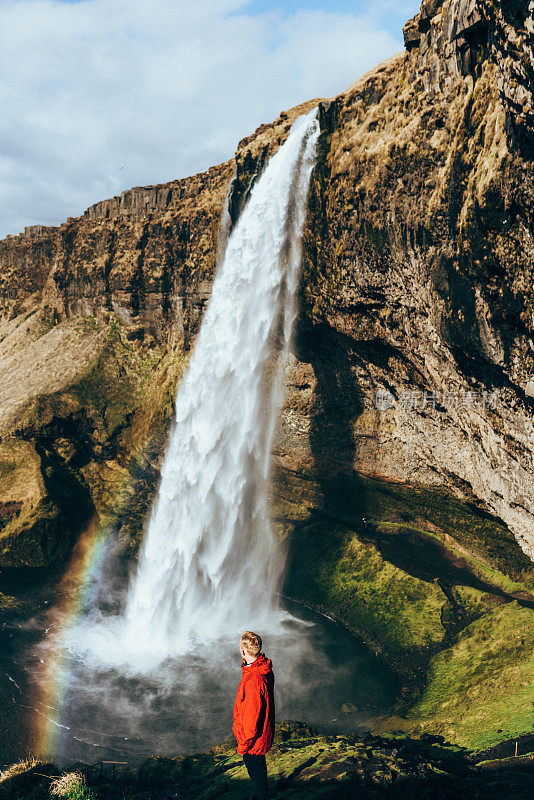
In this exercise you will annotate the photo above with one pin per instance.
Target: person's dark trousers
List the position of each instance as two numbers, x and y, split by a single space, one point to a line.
257 770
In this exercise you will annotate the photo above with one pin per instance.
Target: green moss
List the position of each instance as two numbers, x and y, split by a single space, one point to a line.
482 569
35 539
470 604
302 764
332 568
403 610
121 380
480 690
128 491
465 531
438 513
403 575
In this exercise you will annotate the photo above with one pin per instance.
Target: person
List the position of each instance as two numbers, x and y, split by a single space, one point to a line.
254 712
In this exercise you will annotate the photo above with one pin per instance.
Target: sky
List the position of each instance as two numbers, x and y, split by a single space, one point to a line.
97 96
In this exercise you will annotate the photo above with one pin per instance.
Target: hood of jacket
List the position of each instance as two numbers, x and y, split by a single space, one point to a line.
261 666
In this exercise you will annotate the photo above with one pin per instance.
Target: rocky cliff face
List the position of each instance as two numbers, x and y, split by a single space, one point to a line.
405 447
415 349
418 265
98 316
148 256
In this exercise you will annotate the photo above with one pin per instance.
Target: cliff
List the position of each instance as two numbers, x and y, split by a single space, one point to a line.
98 316
418 272
406 437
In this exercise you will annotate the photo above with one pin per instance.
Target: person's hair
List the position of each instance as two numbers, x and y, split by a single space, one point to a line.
251 643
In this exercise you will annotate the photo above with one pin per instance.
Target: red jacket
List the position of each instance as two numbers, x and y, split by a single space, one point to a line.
254 708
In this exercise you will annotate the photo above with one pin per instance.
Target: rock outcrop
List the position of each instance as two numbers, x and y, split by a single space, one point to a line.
454 38
417 321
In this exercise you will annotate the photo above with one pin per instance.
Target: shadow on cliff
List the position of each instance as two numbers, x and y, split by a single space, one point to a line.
337 402
347 501
426 559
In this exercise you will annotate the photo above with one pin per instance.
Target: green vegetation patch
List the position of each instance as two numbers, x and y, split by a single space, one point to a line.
302 763
480 690
436 511
71 786
416 573
330 567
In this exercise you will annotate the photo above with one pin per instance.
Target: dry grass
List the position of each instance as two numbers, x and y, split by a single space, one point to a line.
72 786
18 768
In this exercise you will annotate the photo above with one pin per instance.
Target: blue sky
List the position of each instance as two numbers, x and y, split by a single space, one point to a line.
391 14
100 95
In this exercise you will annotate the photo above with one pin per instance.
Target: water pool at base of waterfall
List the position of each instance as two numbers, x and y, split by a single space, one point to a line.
324 676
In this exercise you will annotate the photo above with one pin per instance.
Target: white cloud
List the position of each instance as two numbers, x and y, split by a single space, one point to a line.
162 89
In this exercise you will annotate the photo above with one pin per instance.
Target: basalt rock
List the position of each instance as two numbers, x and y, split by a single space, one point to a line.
455 38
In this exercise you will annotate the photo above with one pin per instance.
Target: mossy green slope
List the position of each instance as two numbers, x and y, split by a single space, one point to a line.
82 436
481 689
436 585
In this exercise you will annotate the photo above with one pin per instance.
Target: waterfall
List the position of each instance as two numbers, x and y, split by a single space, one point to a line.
210 564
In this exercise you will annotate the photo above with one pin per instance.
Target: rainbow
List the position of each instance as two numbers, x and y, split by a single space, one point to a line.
53 676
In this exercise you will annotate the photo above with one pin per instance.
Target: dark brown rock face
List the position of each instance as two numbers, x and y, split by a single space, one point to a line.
414 356
26 261
414 351
147 256
455 38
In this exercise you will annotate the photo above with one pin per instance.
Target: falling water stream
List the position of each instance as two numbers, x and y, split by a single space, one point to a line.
153 661
209 563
